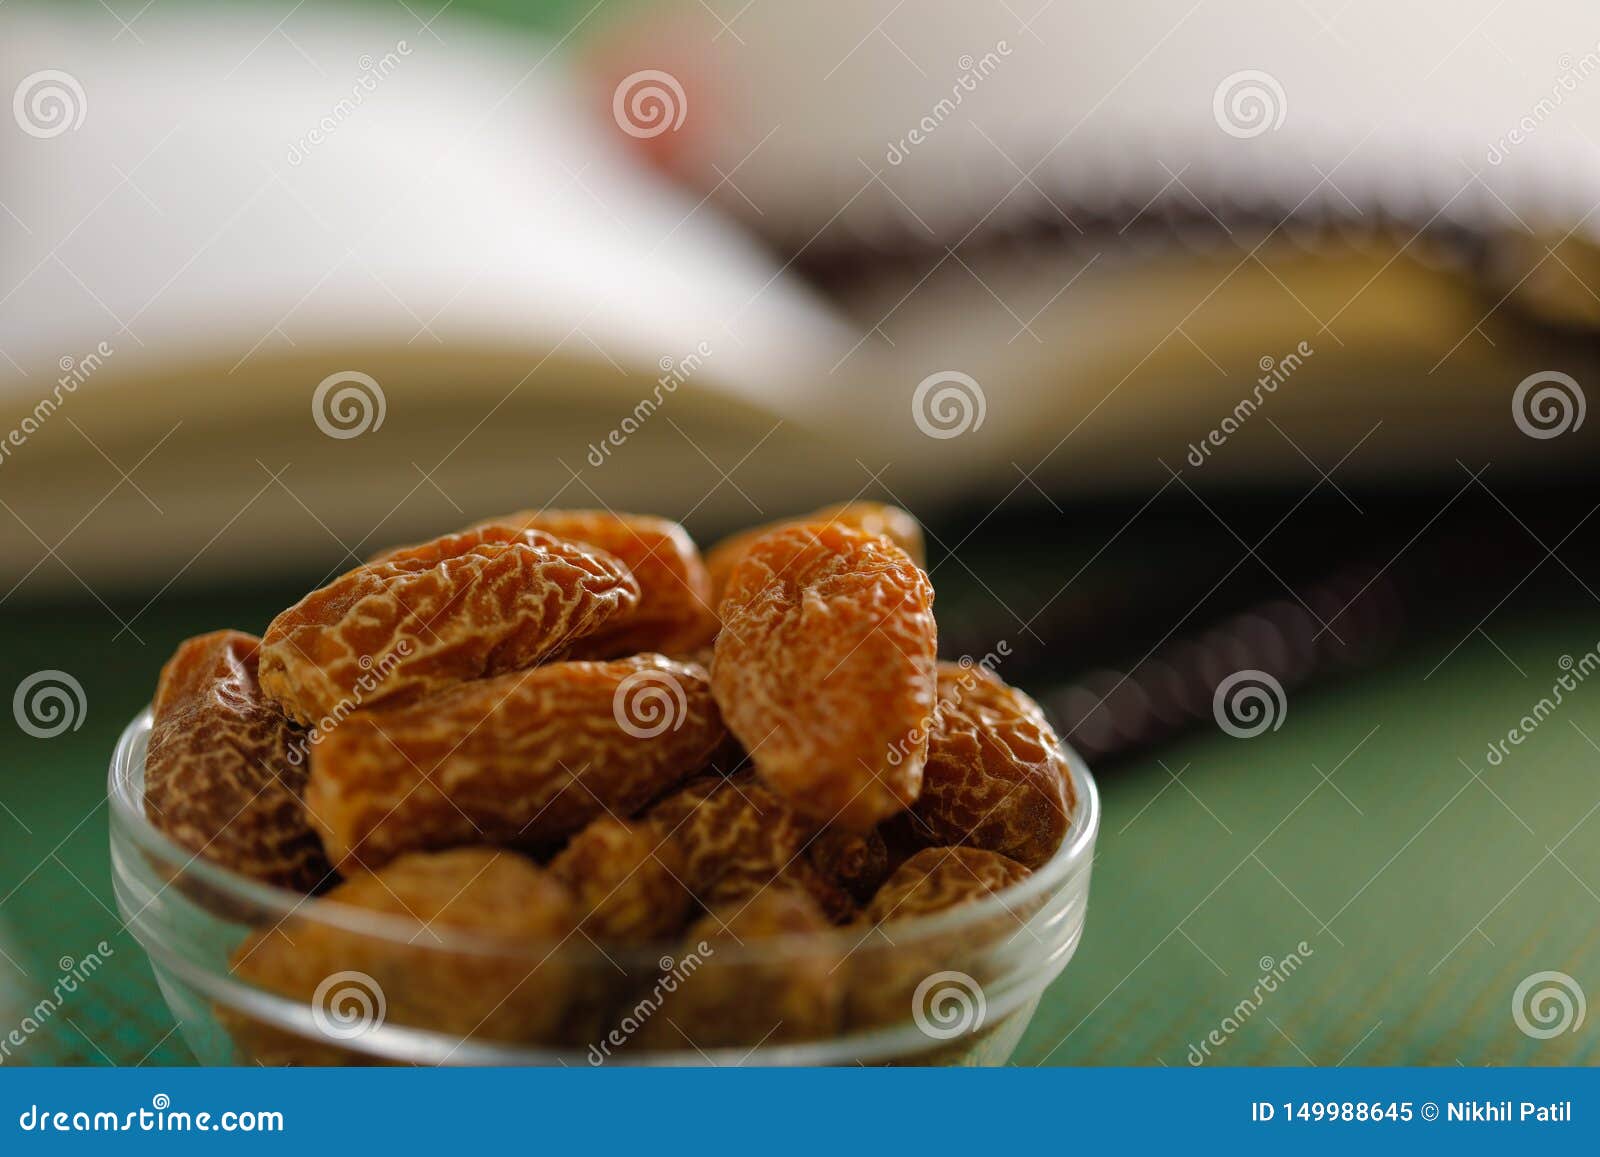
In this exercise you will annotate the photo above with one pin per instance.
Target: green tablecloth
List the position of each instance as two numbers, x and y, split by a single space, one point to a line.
1424 884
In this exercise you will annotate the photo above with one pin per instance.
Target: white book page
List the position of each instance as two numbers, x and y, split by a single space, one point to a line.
200 227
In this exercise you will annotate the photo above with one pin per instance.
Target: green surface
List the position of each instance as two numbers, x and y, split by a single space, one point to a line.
1426 883
1425 892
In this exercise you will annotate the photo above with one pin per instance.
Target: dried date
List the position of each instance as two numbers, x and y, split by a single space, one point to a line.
995 777
509 986
675 615
898 526
825 671
524 759
224 770
428 617
735 998
627 879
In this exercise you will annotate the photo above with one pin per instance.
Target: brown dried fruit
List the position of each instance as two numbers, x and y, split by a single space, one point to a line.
523 759
736 837
627 880
733 1001
825 671
898 526
938 878
675 614
224 770
510 987
995 777
728 825
427 617
856 862
835 903
893 977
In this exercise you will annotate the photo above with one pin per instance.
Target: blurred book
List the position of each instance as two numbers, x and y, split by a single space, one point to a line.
333 280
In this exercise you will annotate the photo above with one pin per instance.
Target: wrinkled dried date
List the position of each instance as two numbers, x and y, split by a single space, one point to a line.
898 526
893 973
735 999
510 987
523 759
736 838
825 671
675 614
995 777
939 878
627 879
854 861
224 769
427 617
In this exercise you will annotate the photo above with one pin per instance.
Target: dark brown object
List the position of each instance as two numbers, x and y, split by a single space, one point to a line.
225 770
995 777
857 862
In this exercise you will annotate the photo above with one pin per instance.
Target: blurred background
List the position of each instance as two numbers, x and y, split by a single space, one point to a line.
1235 357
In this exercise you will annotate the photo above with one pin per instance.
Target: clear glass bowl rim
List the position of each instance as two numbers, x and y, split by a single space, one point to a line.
282 904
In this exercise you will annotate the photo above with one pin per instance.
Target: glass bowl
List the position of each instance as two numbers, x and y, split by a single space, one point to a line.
955 987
